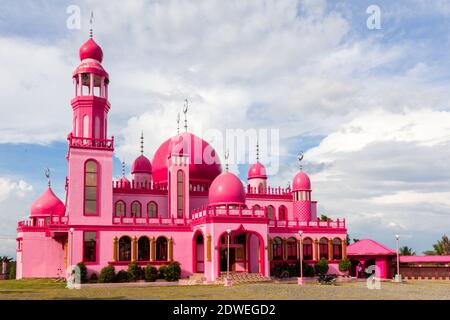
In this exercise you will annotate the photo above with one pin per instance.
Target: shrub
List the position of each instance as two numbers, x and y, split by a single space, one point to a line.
280 270
83 272
150 273
344 265
321 267
93 278
173 271
308 270
11 269
134 271
162 271
122 276
107 274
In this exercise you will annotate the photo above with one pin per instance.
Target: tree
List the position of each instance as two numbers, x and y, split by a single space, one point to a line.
324 218
440 248
355 240
347 240
406 251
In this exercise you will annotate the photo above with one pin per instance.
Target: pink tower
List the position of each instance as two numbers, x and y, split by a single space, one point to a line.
301 193
89 191
257 177
142 167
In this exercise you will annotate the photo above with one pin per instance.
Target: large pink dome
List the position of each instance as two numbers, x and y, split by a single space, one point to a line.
47 204
257 170
226 189
301 182
141 165
91 50
204 163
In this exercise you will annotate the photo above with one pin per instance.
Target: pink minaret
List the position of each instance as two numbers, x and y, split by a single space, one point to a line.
257 177
89 191
301 193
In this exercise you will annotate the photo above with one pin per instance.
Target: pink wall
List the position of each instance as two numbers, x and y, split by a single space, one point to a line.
41 257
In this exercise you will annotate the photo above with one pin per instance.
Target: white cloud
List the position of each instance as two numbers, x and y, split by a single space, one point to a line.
10 187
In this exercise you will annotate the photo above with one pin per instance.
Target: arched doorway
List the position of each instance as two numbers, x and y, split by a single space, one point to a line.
199 252
246 252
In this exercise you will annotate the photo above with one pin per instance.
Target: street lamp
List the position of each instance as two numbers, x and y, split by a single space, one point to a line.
398 276
228 280
300 279
71 230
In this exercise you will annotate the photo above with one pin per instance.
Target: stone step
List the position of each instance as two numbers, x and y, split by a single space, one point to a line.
241 277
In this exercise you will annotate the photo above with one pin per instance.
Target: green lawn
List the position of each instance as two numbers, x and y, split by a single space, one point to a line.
49 289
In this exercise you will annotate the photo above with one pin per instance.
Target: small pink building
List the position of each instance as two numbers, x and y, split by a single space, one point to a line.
177 207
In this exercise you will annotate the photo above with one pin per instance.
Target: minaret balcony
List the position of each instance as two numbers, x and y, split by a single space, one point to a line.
91 143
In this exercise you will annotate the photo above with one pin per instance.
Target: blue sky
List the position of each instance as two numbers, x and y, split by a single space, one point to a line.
369 107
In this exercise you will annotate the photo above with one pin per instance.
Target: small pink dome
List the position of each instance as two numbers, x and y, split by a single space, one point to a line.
257 170
226 189
301 182
47 204
141 165
91 50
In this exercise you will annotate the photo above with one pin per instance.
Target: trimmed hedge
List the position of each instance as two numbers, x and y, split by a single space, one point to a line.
344 265
150 273
173 271
134 272
83 272
321 267
107 274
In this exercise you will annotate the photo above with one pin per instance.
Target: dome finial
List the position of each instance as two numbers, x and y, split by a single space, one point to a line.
185 110
142 142
300 158
47 175
257 149
178 123
123 169
226 156
91 21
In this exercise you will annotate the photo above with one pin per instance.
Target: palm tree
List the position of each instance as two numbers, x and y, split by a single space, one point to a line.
406 251
440 248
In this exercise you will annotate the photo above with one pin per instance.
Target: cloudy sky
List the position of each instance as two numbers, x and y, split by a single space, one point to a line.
370 108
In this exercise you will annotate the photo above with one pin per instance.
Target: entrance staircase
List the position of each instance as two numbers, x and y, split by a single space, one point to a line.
243 277
195 278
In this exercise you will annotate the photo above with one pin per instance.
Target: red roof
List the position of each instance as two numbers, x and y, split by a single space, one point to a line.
425 259
367 247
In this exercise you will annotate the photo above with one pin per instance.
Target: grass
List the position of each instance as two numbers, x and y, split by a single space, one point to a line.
49 289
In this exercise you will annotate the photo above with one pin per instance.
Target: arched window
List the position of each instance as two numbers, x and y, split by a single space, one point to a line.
292 249
97 127
256 207
86 126
337 249
323 248
120 209
260 188
152 209
161 249
271 212
125 248
180 207
307 249
136 209
90 187
143 249
282 213
277 249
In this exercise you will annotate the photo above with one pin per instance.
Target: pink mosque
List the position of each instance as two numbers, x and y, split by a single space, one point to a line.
177 207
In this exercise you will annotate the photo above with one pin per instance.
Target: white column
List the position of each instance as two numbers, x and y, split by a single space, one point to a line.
91 84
